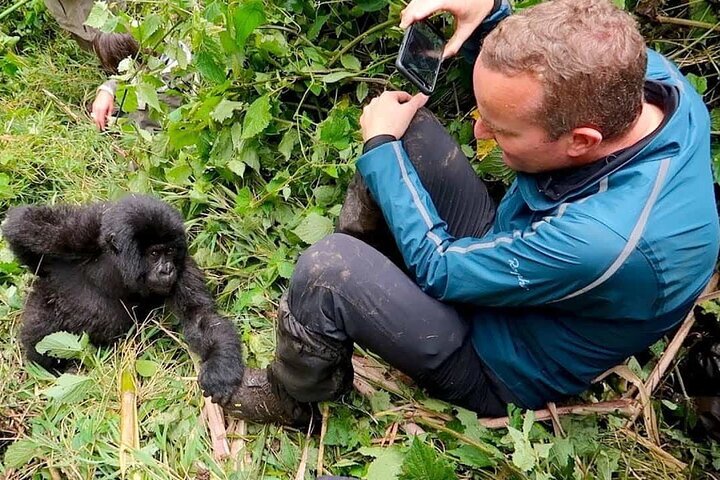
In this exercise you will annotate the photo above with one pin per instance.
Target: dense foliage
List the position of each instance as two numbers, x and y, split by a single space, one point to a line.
257 157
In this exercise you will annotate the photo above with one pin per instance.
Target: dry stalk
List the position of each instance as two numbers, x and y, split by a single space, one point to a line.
213 414
672 348
239 429
300 475
625 406
661 454
129 435
321 446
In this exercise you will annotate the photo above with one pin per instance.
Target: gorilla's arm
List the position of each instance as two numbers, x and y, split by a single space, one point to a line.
61 231
208 334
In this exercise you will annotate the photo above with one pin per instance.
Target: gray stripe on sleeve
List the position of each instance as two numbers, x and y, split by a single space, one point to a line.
634 236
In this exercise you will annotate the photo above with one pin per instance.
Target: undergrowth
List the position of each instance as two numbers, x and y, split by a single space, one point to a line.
257 159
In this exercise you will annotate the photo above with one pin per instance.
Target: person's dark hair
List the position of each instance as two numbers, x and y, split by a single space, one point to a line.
112 48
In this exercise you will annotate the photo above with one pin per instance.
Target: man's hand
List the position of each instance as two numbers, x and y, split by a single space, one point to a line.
102 107
468 15
390 114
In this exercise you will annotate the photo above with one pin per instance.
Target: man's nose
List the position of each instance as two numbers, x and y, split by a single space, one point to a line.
481 132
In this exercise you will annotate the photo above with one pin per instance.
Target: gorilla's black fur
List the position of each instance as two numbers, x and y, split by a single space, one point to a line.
101 267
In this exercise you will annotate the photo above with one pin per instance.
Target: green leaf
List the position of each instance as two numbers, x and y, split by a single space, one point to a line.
361 91
63 345
471 456
146 368
524 456
237 167
715 119
387 464
257 117
469 420
380 401
20 453
101 18
699 83
336 76
209 63
350 62
288 143
146 93
422 462
224 110
179 174
246 18
149 26
69 388
313 228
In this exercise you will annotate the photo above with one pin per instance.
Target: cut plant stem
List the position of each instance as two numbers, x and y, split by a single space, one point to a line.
129 436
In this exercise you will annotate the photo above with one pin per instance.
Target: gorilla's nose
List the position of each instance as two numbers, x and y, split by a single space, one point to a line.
167 269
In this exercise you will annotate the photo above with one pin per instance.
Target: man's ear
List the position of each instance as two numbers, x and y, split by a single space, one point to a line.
582 141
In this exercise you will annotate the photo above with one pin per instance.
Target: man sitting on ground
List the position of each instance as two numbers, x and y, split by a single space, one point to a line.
599 248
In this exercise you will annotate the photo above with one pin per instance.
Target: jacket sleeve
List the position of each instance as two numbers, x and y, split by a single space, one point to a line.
555 258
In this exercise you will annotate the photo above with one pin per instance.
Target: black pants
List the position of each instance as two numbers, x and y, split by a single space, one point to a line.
351 287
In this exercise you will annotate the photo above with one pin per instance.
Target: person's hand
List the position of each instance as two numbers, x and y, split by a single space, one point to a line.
102 108
390 114
468 14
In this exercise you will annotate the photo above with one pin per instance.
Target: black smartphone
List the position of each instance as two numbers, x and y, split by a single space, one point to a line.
420 56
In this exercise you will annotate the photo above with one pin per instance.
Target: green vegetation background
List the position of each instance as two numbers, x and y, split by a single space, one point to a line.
257 158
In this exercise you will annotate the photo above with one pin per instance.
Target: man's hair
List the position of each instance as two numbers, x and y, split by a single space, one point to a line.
112 48
589 57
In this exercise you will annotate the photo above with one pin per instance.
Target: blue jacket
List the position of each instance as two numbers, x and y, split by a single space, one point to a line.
566 288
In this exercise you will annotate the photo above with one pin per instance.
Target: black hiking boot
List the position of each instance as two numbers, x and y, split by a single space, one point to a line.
259 400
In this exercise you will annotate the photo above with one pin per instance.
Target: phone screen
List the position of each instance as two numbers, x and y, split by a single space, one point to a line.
421 55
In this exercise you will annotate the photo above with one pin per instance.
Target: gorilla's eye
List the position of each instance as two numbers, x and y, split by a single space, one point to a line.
170 251
154 253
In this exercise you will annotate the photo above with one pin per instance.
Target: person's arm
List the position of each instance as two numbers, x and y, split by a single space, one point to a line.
473 19
553 259
104 103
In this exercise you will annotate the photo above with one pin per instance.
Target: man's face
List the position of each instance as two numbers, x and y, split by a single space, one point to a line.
508 106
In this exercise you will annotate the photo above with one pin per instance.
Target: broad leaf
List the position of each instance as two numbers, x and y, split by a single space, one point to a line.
63 345
422 462
257 117
313 228
69 388
246 18
224 110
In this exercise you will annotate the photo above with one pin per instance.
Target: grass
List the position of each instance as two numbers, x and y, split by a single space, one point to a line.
49 152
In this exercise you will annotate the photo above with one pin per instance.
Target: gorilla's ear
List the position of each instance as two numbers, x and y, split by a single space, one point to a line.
110 241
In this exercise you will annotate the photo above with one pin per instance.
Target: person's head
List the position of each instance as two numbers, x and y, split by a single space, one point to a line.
112 48
554 81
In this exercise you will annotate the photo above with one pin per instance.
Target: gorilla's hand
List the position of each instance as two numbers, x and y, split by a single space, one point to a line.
220 376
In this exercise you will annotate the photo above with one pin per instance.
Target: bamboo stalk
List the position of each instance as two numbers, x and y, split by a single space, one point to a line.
129 435
624 406
321 444
238 445
216 425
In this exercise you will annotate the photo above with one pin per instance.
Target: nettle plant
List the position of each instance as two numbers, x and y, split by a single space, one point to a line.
269 93
263 131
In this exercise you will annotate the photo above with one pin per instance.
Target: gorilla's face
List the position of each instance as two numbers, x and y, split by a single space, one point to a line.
161 267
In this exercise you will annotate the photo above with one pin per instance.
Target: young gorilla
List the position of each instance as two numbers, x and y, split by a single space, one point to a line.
103 266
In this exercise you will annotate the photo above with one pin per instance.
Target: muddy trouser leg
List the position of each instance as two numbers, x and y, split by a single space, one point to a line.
459 195
345 291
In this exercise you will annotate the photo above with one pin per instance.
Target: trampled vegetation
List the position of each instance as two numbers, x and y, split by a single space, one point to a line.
257 158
